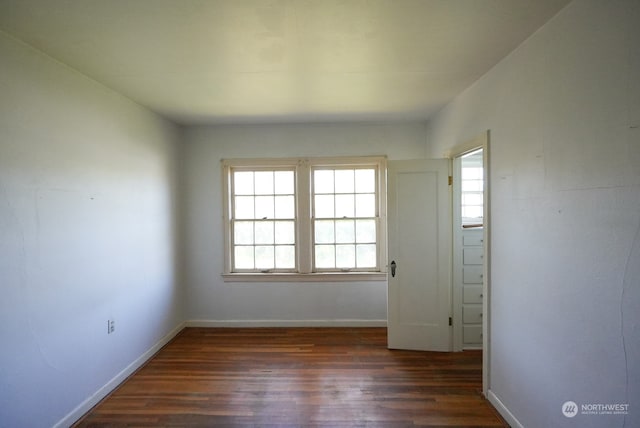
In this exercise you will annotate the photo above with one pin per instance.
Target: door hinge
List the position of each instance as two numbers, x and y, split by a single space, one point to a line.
450 321
450 180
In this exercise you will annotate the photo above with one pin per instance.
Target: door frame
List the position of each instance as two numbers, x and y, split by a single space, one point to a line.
480 142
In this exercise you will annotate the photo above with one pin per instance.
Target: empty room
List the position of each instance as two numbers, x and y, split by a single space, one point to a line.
322 213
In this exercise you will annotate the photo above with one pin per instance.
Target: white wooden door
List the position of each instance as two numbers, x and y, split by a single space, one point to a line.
419 228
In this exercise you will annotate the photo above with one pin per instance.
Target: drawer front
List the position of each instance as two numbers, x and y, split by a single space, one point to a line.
472 334
472 274
474 239
472 256
472 294
472 314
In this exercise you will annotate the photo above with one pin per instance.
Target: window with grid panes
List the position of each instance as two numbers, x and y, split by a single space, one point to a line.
263 220
305 216
344 218
472 188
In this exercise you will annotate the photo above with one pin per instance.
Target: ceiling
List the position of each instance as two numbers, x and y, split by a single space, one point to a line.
257 61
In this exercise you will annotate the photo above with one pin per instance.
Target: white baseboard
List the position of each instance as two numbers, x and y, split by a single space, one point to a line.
286 323
90 402
502 409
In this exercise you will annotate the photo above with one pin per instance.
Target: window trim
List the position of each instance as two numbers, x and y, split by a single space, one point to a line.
304 277
303 168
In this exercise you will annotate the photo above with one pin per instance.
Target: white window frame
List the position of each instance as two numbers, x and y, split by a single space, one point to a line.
303 168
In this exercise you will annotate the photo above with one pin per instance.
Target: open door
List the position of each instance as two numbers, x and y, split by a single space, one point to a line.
419 229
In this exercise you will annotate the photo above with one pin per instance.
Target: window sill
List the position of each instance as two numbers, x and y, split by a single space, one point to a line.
305 277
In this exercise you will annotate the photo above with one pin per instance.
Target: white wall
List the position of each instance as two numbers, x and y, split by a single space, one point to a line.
209 298
87 233
564 115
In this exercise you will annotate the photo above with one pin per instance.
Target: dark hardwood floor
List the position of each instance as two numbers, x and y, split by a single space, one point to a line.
290 377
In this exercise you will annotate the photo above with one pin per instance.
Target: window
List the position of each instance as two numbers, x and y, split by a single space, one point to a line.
472 186
345 216
263 220
304 217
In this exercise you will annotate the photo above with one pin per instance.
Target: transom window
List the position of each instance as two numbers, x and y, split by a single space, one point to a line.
304 216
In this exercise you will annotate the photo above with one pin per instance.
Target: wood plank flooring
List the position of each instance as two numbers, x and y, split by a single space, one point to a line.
297 377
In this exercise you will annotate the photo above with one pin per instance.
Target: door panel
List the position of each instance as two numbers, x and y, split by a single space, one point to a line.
419 220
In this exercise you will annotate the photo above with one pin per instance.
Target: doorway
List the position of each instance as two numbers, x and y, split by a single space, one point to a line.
468 251
471 248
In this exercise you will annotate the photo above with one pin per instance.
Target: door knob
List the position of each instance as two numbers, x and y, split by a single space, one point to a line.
393 268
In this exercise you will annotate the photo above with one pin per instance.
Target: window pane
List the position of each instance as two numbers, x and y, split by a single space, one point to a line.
344 181
264 182
243 232
264 257
345 256
472 212
365 231
325 256
324 206
284 183
472 185
472 173
323 181
324 232
472 198
264 207
285 257
345 231
243 182
366 256
243 258
244 207
365 181
264 232
285 207
345 206
366 205
285 232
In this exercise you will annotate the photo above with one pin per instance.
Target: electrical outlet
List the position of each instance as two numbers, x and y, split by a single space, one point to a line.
111 326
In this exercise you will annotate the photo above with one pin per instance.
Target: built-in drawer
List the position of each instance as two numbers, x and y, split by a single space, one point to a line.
474 239
472 274
472 334
472 294
472 314
472 256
